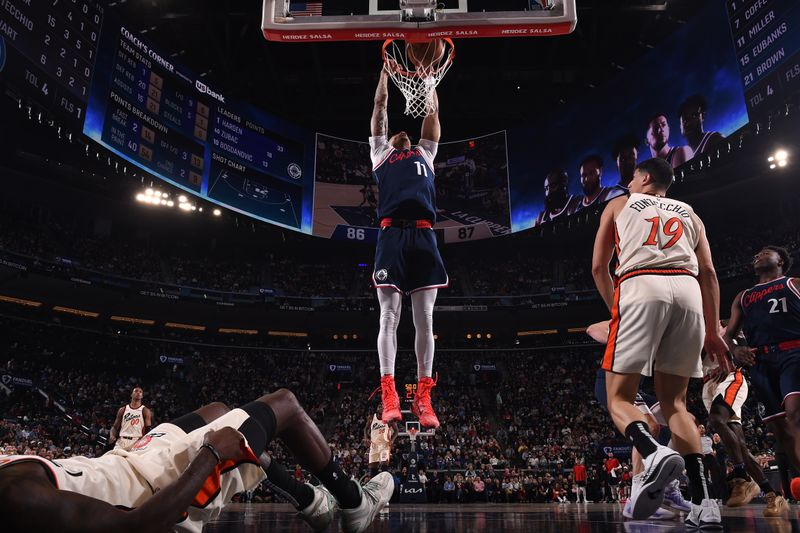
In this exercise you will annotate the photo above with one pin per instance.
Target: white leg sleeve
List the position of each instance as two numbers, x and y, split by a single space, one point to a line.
391 303
422 307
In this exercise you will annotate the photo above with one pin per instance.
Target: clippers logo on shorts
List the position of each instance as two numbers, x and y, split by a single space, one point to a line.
771 312
381 274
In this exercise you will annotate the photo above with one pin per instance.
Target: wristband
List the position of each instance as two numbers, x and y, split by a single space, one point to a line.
213 451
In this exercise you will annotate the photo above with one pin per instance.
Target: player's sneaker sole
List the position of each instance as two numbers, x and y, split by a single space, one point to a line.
667 466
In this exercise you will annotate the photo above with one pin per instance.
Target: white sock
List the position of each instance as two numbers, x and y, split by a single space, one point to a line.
391 303
422 307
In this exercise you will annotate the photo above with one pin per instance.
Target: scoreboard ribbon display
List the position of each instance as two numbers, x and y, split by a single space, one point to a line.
171 123
48 49
766 34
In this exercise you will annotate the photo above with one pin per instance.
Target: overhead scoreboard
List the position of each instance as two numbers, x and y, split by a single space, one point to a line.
766 34
48 51
169 121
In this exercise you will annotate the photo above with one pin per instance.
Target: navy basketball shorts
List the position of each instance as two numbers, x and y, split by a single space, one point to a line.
408 260
774 377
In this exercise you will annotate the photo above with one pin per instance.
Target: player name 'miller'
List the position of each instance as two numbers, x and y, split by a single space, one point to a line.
641 205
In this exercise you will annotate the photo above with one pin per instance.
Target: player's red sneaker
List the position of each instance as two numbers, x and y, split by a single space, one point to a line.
422 407
391 402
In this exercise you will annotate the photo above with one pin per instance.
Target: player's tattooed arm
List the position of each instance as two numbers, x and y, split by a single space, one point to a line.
380 117
431 127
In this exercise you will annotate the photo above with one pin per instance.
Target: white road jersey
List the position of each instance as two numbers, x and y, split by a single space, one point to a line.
656 233
110 478
132 422
379 433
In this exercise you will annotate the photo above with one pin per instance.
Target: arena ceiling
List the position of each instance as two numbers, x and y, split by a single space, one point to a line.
329 86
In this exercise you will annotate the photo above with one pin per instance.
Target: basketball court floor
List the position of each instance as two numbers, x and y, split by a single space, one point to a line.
498 518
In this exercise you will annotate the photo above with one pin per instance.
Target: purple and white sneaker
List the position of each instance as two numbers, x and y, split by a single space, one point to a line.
674 499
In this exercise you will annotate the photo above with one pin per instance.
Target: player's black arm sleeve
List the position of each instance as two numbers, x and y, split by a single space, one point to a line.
29 505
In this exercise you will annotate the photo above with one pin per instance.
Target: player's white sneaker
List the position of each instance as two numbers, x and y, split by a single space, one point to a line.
319 514
704 516
374 496
636 486
660 469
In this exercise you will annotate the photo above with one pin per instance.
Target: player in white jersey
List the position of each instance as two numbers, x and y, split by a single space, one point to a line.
133 421
381 437
181 474
665 289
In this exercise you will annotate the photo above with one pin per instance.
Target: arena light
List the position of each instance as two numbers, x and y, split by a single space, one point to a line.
488 335
217 213
478 336
469 335
20 301
779 159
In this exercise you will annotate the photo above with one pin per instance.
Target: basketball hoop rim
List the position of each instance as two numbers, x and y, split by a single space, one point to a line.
408 74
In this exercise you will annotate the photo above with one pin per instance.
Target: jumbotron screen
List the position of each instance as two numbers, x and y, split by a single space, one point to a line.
79 62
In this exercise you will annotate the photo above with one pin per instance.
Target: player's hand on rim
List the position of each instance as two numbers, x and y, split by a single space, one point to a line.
229 443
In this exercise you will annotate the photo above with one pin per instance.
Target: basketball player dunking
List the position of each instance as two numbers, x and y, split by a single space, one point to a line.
181 475
769 314
666 289
407 259
133 421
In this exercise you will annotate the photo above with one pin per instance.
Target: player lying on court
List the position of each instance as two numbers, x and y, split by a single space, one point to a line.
664 303
181 474
407 259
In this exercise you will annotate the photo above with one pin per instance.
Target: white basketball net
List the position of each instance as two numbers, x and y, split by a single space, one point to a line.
417 83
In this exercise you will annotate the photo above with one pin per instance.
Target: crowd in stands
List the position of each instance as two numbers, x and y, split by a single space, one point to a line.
59 243
511 433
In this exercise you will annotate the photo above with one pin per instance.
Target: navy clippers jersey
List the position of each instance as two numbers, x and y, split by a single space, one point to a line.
771 312
406 188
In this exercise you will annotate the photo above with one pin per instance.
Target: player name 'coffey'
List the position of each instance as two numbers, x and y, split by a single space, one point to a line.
641 205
